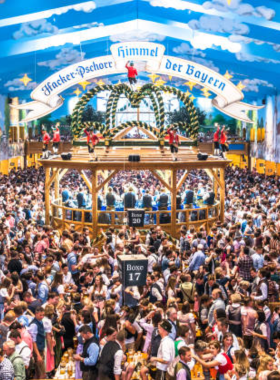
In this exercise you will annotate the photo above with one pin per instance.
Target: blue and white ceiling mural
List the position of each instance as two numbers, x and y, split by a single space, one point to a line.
238 39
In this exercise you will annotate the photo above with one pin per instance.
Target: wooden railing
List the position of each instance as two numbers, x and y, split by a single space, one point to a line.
63 216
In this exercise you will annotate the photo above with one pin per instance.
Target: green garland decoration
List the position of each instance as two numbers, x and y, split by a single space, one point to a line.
135 98
140 124
77 124
192 129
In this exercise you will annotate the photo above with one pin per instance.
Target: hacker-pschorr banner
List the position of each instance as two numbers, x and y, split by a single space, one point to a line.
46 95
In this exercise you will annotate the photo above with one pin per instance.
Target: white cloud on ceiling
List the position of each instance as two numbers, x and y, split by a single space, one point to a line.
136 35
236 6
176 4
206 62
206 41
255 84
186 49
17 85
89 25
244 39
86 7
66 57
218 25
242 9
34 28
245 57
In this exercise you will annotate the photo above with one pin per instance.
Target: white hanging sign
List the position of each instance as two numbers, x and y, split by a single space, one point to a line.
47 99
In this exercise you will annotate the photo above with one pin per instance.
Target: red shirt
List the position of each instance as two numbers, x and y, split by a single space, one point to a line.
56 136
93 138
132 72
223 137
216 135
46 138
173 139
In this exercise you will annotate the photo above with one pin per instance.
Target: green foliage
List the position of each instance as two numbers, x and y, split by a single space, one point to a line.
46 121
220 119
90 114
182 115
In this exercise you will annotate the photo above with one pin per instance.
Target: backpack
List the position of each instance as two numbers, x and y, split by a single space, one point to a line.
155 342
272 292
188 291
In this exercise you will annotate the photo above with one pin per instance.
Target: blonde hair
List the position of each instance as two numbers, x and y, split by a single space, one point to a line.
235 298
10 344
264 360
245 283
242 361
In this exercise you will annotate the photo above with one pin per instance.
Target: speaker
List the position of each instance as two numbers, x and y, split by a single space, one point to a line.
134 158
202 156
66 156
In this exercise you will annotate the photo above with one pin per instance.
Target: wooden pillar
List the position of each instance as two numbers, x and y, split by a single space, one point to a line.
106 174
56 185
222 193
47 196
215 185
173 202
94 203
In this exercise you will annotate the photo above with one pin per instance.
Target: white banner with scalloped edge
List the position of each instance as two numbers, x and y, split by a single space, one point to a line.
47 95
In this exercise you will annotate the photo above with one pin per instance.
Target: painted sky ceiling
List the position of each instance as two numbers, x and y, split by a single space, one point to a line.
240 38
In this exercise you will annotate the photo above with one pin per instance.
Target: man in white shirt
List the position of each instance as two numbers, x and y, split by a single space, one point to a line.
166 351
110 361
21 347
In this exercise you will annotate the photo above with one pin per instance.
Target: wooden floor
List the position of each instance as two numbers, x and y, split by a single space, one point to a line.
147 154
150 156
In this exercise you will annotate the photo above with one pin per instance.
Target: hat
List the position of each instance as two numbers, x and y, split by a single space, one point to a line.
166 325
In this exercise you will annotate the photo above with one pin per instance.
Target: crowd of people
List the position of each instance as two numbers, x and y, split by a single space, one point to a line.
132 189
208 308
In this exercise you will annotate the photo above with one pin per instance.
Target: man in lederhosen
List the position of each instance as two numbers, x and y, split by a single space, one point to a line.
46 141
92 141
174 141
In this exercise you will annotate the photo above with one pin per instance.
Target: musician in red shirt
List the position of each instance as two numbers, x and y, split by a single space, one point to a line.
131 72
174 141
56 138
224 144
92 141
46 141
216 139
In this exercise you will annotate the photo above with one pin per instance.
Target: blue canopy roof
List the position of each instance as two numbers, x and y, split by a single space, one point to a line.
239 37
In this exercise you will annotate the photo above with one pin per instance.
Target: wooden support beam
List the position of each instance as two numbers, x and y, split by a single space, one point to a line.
215 175
182 180
47 196
50 180
102 173
62 173
107 180
173 202
222 193
216 189
86 179
162 180
56 184
94 203
122 133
